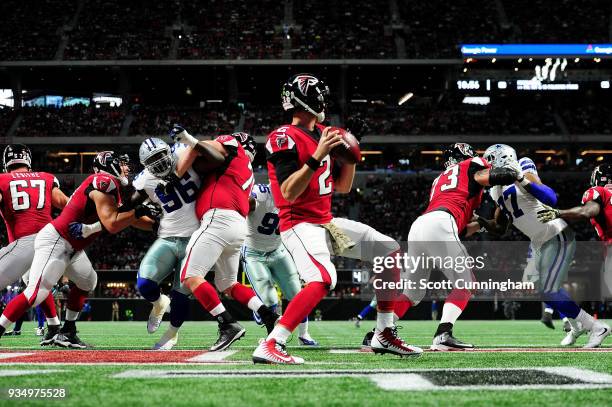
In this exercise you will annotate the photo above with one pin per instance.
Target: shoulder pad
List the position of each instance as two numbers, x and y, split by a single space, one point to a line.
479 161
527 165
104 183
280 140
592 194
227 141
56 183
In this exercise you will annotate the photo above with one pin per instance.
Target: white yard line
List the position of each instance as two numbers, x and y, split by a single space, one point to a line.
212 356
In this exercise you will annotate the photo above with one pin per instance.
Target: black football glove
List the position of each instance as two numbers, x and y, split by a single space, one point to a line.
149 210
357 126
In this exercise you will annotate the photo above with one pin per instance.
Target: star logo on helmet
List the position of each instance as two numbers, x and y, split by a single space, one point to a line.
305 81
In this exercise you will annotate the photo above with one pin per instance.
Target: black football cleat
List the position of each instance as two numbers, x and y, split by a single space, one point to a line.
366 344
446 342
49 336
69 339
270 321
228 334
547 320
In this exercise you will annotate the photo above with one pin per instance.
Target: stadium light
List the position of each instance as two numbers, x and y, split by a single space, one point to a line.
405 98
431 152
585 152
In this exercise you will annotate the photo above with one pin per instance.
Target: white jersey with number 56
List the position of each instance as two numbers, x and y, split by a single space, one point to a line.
178 205
522 208
263 234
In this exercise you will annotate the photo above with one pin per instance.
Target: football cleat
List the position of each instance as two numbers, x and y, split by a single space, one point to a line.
366 344
228 334
40 331
271 352
357 322
447 342
168 340
49 337
547 320
157 313
566 325
270 321
12 333
598 333
387 341
257 318
307 340
571 336
69 340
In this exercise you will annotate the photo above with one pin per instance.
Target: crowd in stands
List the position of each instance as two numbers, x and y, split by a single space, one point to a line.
129 291
77 120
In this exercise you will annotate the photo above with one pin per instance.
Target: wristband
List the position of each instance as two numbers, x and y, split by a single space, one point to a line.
524 182
89 230
189 139
313 163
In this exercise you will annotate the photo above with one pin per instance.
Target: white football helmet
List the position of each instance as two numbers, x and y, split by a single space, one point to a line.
498 155
156 155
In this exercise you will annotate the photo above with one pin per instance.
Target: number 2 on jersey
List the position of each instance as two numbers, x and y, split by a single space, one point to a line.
21 198
452 174
325 185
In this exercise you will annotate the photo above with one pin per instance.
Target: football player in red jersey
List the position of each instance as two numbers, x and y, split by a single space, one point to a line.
596 207
58 252
222 206
26 202
454 196
302 180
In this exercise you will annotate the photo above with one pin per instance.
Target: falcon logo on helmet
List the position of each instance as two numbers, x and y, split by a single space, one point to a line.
248 143
458 152
156 156
307 93
113 164
16 154
601 175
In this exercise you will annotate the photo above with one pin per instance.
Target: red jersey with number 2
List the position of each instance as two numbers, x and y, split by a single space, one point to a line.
26 202
228 187
314 204
603 221
456 191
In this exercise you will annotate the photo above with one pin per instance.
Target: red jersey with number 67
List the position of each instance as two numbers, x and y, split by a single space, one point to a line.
228 187
603 221
82 209
456 191
314 204
26 202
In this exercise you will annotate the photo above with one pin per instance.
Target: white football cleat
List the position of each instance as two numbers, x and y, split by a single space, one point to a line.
168 340
388 341
598 333
157 313
40 331
271 352
572 335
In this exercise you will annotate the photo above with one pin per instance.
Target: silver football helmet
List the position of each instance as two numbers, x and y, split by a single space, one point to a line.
498 155
156 155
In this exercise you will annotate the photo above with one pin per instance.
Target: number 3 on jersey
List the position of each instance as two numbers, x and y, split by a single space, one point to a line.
452 176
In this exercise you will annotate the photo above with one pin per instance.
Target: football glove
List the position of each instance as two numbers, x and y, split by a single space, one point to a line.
148 209
548 214
179 135
81 231
516 168
357 126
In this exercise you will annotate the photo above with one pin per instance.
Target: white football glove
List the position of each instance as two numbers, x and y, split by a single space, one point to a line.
179 135
516 167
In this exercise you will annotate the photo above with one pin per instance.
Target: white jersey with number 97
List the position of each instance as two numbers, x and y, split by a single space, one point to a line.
263 234
178 205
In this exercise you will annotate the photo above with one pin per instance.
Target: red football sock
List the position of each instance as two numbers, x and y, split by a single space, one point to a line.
16 308
48 307
402 305
207 296
459 297
242 293
302 304
76 298
385 306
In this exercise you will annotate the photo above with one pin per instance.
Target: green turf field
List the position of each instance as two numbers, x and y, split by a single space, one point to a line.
338 378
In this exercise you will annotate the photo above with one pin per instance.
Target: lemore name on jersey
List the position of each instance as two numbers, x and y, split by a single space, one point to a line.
522 208
80 208
456 191
26 202
227 187
603 221
263 234
179 215
314 204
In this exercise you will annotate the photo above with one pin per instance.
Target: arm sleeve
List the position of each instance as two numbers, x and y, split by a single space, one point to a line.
285 164
542 193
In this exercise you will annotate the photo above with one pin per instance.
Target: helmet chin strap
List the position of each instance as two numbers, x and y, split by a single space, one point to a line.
320 116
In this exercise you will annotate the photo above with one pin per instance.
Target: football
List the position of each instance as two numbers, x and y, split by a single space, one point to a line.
349 151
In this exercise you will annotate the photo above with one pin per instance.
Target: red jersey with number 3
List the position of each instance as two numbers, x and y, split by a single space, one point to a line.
314 204
456 191
26 202
228 187
603 221
82 209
